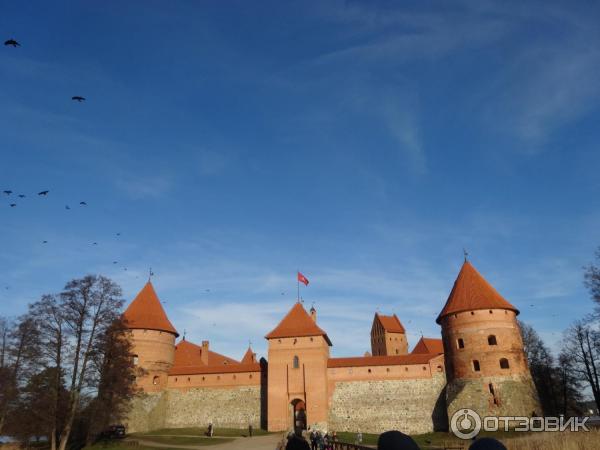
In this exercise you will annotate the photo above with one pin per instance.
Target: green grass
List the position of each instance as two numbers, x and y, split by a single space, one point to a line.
367 438
112 445
185 440
201 431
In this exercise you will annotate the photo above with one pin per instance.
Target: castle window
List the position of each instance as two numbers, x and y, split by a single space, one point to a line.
460 343
491 312
234 377
406 369
296 364
203 378
155 380
135 360
424 367
189 379
472 313
218 377
491 388
492 340
250 376
175 379
504 363
476 367
387 369
396 351
440 368
369 370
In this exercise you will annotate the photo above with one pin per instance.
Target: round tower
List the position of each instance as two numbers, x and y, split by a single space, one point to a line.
153 339
486 367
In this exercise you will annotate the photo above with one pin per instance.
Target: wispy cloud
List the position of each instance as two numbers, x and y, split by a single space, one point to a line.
138 186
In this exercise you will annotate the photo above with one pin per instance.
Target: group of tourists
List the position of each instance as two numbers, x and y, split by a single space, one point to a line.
320 441
390 440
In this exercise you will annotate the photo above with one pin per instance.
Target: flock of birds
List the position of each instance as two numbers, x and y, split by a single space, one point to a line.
8 193
14 44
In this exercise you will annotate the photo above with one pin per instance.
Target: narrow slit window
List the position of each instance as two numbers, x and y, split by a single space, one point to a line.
476 367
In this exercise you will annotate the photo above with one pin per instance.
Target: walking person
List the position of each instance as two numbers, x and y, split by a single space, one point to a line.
313 440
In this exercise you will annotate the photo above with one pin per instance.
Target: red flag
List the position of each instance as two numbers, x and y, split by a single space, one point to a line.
302 279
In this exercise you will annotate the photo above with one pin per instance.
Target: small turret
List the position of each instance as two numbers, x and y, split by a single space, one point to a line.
153 338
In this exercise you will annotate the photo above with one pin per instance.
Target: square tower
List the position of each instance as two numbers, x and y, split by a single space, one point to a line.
297 373
388 337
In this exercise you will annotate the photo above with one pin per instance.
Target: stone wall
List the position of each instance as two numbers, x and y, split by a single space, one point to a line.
148 412
512 396
409 405
229 407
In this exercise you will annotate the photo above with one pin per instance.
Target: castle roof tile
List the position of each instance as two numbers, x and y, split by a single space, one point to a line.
297 323
394 360
429 346
146 312
471 292
391 324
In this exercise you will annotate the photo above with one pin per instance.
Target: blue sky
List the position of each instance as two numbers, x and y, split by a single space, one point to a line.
365 143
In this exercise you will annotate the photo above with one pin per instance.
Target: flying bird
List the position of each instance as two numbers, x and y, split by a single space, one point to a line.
83 203
44 242
95 243
21 195
7 192
118 234
12 42
115 262
78 98
67 207
12 205
44 193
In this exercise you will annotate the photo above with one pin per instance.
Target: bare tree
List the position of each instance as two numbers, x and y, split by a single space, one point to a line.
582 352
114 375
90 306
51 325
20 355
542 367
592 280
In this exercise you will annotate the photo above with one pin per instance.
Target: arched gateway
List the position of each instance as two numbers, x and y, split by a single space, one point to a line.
298 415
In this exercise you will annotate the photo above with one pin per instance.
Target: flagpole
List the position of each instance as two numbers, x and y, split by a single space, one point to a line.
298 283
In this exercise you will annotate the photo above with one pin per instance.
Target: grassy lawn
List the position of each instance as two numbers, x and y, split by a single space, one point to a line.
184 440
200 431
112 445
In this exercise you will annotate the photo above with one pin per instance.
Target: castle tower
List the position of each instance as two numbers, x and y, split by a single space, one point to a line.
297 372
153 338
486 366
388 336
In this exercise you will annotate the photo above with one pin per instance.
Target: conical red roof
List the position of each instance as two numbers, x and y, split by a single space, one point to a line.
297 323
249 357
146 312
470 292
